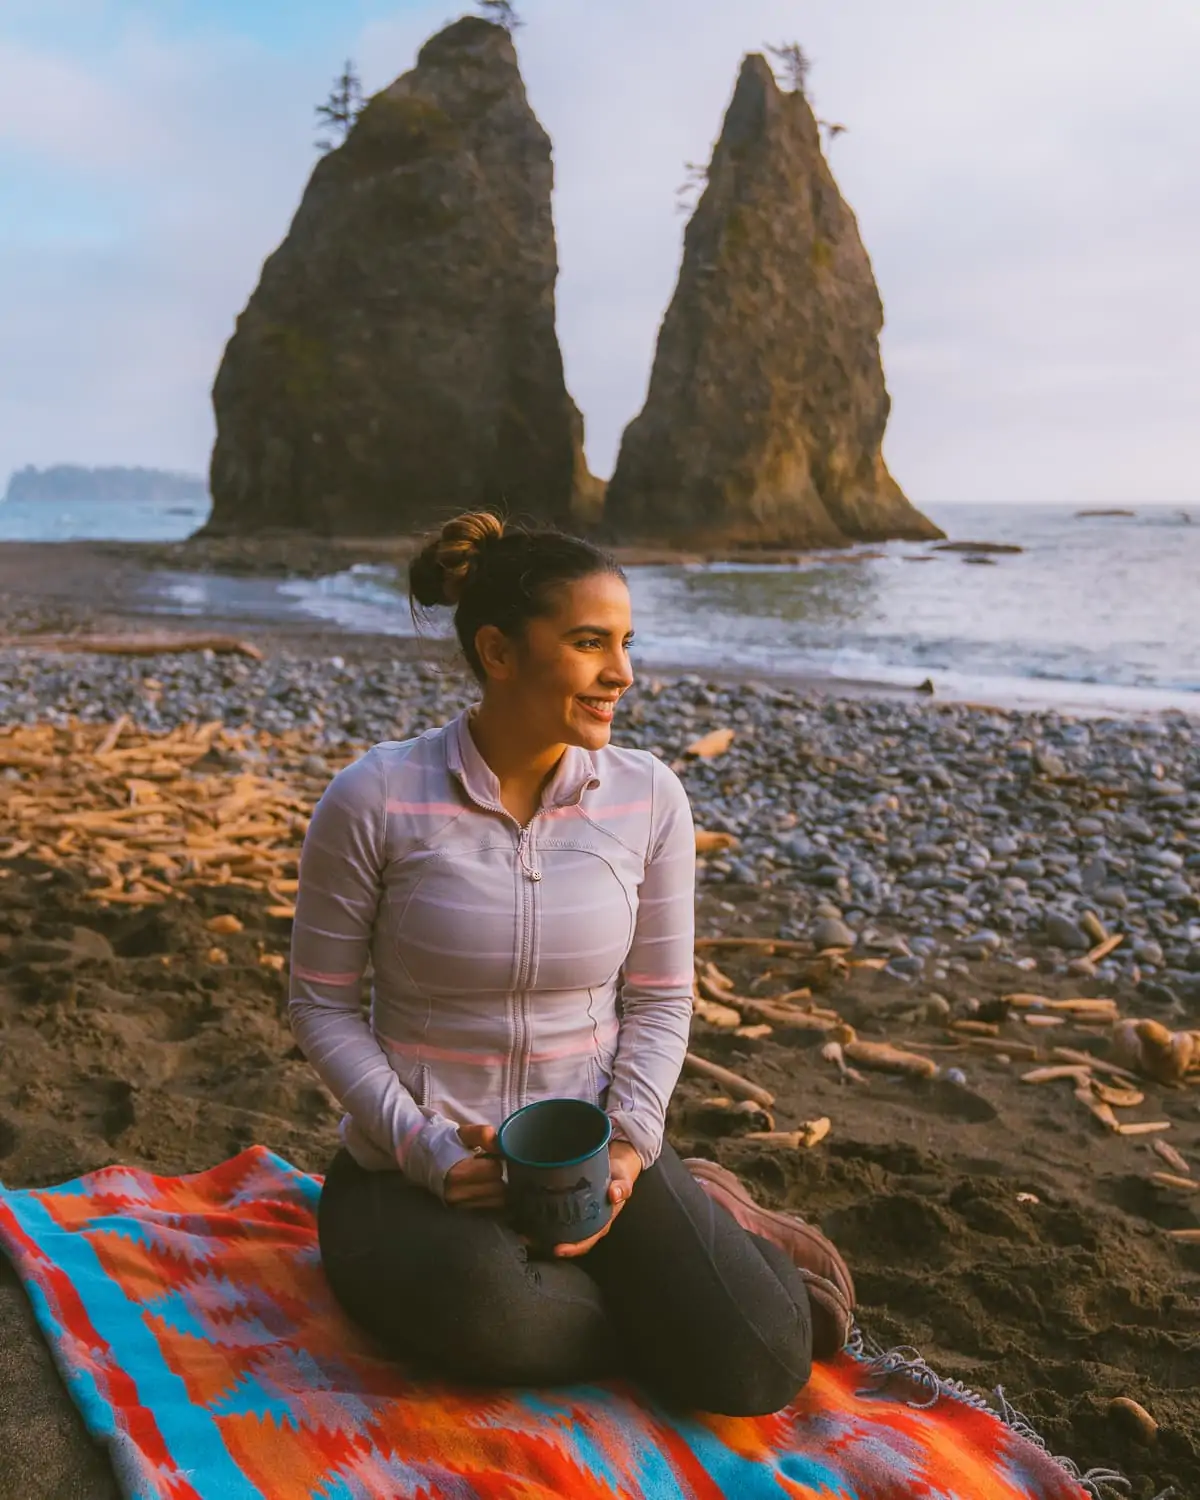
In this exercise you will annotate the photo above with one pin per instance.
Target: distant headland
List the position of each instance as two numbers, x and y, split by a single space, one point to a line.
73 484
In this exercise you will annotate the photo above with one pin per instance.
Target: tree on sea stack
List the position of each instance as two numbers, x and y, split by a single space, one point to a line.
503 12
398 360
764 420
342 108
794 63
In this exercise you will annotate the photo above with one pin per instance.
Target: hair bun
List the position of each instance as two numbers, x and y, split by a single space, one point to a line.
438 573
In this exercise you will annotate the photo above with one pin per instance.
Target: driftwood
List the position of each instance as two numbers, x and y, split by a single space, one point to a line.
1097 1107
709 842
1151 1049
1176 1184
1052 1074
1101 1007
1174 1159
1119 1098
975 1028
145 816
133 645
713 1013
1002 1046
885 1058
810 1134
768 946
1109 945
832 1052
724 1112
784 1015
732 1083
1134 1418
1086 1060
721 1007
1184 1236
716 742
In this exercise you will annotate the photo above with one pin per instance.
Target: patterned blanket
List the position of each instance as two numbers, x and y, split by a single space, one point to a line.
192 1325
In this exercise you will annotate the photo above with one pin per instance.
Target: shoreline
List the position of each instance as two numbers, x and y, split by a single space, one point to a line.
78 587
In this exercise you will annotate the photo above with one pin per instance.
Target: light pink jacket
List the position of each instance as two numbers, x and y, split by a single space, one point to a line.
510 964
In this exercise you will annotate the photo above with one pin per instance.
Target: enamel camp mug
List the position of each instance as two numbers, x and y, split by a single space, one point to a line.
556 1162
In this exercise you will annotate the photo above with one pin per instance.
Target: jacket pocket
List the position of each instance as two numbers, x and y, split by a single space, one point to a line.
599 1079
416 1081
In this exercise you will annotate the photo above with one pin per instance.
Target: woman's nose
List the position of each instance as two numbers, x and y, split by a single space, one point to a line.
619 671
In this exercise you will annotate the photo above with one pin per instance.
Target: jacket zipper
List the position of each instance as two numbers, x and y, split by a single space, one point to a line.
520 1042
528 903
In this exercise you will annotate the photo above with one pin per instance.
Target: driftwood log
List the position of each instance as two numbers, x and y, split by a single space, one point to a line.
133 645
732 1083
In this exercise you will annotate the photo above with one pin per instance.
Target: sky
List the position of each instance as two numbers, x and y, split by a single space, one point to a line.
1023 173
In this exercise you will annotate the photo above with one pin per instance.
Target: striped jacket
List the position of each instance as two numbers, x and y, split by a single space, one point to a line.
509 964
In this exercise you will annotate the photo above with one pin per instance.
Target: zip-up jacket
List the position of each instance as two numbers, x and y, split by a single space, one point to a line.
508 964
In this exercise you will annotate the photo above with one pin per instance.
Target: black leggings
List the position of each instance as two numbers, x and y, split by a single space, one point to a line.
676 1295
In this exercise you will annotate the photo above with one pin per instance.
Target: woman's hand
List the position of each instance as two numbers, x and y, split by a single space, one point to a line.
624 1167
477 1181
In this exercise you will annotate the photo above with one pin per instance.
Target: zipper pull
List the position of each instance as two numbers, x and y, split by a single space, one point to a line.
522 849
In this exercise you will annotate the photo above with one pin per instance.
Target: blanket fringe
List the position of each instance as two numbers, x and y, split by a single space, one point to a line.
1100 1484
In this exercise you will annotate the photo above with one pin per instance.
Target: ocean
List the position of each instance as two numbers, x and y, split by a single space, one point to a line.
1094 612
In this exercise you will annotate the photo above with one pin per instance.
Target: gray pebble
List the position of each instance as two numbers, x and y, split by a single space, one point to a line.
830 933
1061 932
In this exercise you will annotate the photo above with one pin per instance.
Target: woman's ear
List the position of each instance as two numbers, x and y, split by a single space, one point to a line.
497 655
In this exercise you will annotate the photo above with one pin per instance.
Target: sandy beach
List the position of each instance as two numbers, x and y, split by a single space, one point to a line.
951 855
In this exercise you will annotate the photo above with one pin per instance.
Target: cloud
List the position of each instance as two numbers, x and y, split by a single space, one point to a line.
1021 179
59 112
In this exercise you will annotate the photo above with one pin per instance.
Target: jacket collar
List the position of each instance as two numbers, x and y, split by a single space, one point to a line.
575 773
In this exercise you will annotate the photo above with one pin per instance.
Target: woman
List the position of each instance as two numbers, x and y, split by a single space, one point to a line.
525 893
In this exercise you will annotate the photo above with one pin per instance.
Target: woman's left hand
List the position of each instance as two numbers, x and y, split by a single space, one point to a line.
624 1167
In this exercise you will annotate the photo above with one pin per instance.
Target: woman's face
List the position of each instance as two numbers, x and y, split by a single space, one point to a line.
565 675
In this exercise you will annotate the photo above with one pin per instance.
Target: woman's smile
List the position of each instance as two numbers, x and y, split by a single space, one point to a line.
599 708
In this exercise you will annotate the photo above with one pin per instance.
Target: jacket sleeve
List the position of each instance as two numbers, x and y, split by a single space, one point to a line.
656 993
340 886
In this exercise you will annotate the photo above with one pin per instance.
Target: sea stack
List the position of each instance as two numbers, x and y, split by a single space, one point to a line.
398 361
767 405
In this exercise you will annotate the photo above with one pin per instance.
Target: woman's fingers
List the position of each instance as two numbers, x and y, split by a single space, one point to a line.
478 1137
476 1181
460 1188
478 1169
569 1252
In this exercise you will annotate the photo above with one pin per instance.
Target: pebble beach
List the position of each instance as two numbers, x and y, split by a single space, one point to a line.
954 831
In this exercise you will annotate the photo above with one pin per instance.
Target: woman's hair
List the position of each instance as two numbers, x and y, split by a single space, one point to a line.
494 573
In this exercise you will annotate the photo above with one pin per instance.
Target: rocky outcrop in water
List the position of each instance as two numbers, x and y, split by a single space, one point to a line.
767 405
398 361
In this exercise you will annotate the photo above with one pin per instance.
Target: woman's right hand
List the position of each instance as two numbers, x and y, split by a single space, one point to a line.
476 1181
